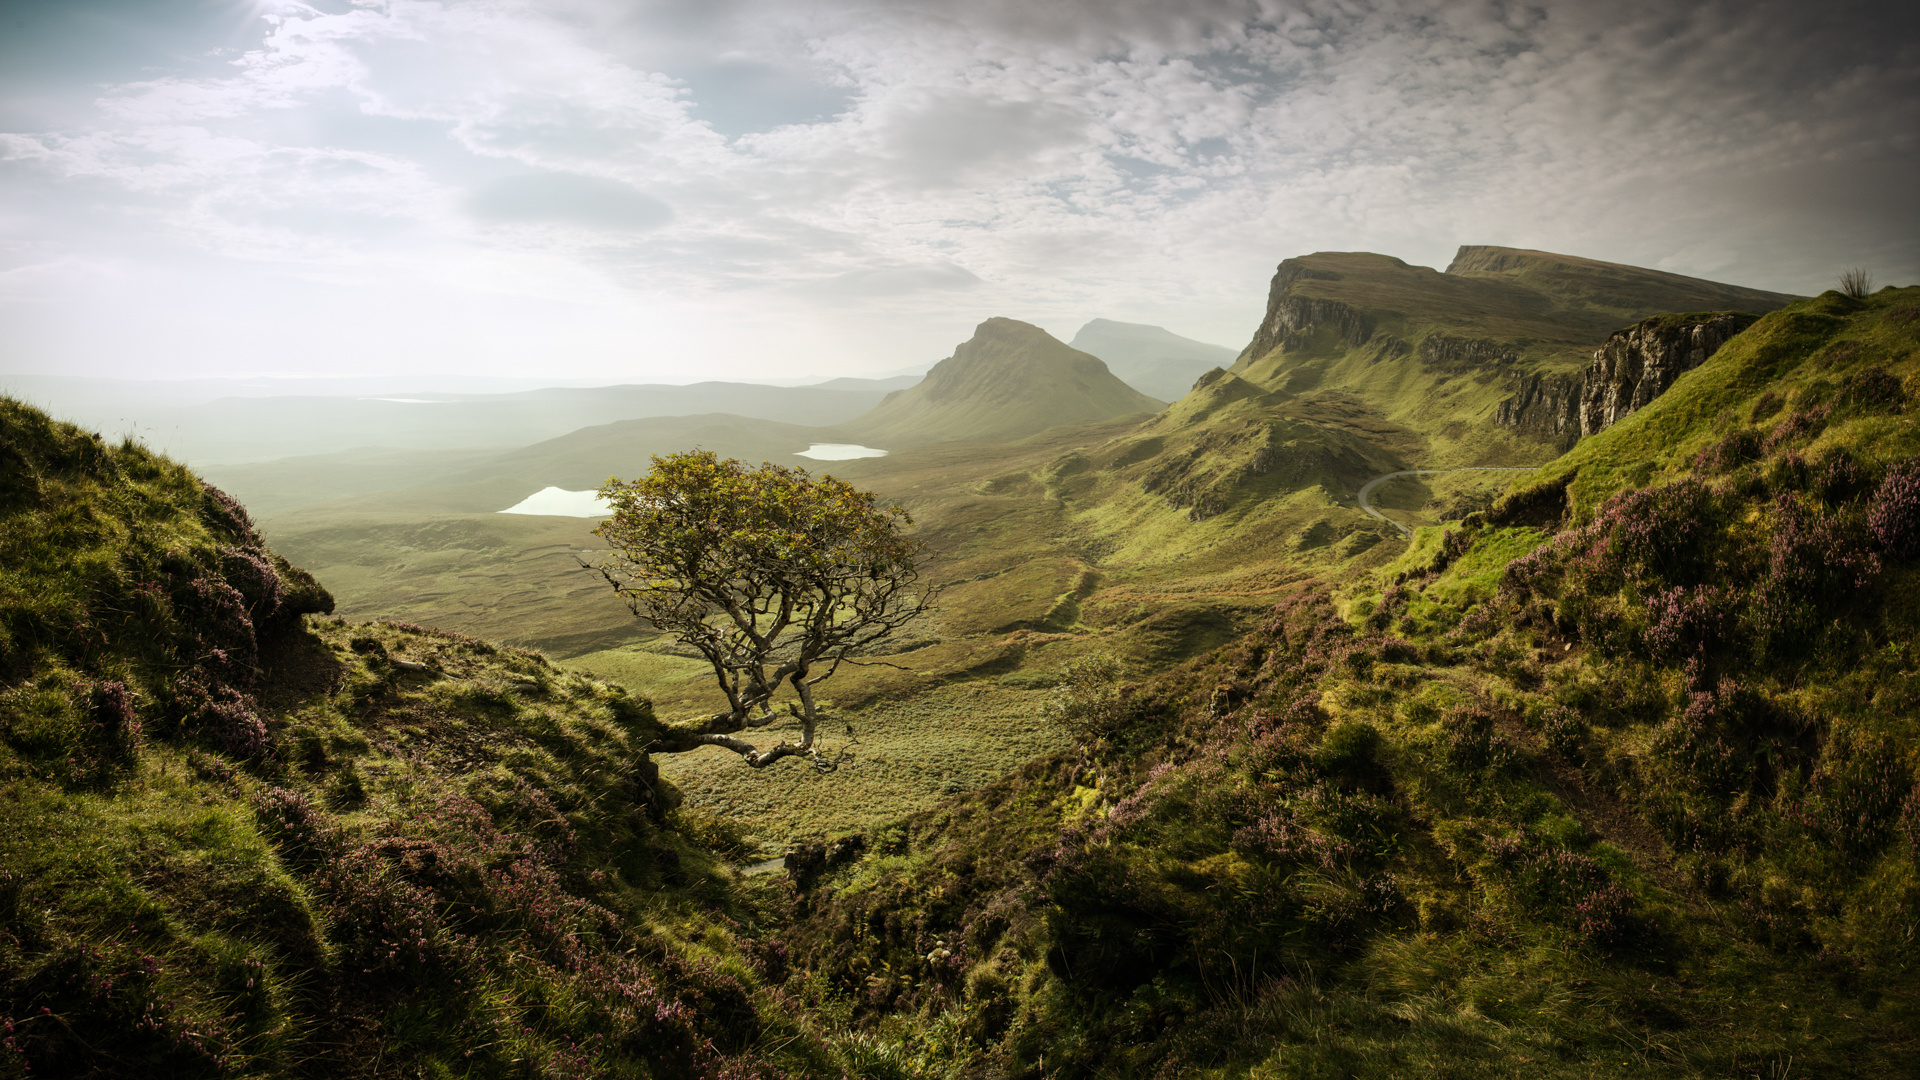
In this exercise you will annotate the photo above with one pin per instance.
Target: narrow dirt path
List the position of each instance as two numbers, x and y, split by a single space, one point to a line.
1367 507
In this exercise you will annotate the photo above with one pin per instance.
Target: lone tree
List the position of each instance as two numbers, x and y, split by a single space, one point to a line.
774 575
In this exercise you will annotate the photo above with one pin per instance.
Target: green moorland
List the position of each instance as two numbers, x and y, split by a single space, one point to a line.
1616 777
1151 540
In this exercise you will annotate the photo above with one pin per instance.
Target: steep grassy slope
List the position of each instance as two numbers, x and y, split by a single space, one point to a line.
1011 379
1621 784
237 842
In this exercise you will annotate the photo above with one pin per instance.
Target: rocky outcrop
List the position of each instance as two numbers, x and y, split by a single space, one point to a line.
1639 363
1546 407
1635 366
1454 354
1291 319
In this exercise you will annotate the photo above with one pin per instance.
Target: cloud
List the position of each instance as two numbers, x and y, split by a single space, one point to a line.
888 281
915 160
587 201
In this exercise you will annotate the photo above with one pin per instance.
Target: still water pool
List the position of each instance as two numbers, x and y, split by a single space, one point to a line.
559 502
833 451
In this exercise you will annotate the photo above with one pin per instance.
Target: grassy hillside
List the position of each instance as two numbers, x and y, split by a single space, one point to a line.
1616 777
1152 541
1624 783
1010 380
239 841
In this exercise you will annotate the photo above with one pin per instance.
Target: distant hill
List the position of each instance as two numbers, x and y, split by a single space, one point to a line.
1151 359
890 383
1010 380
256 429
387 479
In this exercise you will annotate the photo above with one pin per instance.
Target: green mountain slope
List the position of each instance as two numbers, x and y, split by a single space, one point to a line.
1437 352
1009 380
1619 778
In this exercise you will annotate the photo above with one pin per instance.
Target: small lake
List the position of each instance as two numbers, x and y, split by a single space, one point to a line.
559 502
834 451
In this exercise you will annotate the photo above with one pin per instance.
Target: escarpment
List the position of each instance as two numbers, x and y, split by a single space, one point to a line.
1291 319
1639 363
1461 354
1546 407
1629 370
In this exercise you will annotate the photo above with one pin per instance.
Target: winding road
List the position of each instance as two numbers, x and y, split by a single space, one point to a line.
1378 480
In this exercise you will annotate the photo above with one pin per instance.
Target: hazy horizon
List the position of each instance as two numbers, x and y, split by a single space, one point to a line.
589 191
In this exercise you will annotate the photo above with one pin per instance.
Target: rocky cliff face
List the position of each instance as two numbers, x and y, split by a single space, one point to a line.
1639 363
1635 366
1293 319
1455 354
1546 407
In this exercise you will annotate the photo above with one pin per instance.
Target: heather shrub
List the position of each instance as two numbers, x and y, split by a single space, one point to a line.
224 513
300 829
1816 561
1660 533
1453 544
1565 887
250 573
1731 452
110 706
218 715
1698 743
1470 742
1874 389
1894 518
1788 474
1802 423
1853 800
218 627
1683 622
1565 732
1839 477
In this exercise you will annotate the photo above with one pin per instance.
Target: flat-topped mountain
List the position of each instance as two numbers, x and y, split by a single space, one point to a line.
1580 282
1010 380
1534 304
1151 359
1457 357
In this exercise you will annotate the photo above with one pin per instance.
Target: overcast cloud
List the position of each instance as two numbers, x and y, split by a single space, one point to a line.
595 188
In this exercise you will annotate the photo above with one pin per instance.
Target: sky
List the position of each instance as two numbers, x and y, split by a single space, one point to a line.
667 190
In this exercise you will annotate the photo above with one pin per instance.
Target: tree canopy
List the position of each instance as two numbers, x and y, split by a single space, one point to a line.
774 575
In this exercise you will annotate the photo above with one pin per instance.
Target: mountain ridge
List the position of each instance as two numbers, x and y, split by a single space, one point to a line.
1010 379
